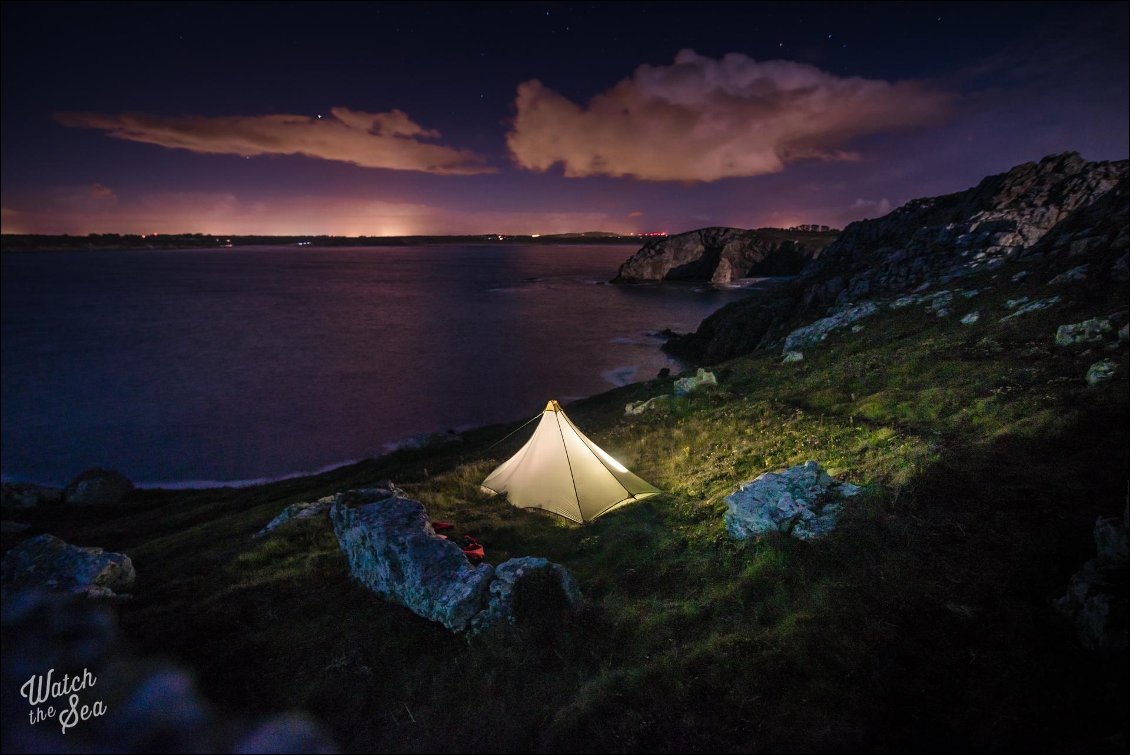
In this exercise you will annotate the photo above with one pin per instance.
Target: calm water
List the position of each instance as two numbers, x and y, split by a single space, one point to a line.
225 365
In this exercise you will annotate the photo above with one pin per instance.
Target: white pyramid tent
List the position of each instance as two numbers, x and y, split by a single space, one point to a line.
562 471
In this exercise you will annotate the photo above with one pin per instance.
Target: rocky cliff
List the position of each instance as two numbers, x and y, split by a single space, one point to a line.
720 255
1058 213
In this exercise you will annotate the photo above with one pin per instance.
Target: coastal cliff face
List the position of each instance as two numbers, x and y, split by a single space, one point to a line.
939 239
720 255
1062 212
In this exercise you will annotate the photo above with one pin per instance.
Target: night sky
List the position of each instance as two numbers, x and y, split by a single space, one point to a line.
429 118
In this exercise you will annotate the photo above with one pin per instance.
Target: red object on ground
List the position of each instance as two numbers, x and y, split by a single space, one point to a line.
442 526
475 551
442 537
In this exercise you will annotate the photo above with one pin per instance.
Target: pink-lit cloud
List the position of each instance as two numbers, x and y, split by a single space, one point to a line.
371 140
701 119
74 211
98 191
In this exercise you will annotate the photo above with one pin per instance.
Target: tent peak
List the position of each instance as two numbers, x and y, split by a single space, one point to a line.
553 406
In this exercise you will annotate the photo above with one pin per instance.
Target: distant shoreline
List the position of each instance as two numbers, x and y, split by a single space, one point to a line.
129 242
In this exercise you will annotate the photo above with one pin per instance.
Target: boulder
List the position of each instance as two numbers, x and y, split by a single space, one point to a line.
636 408
1100 372
1094 330
971 318
793 356
690 384
813 334
1029 307
21 495
803 501
1096 595
548 586
392 550
1074 275
97 487
47 562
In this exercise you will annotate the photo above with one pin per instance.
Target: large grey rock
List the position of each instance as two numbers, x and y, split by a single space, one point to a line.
527 570
295 512
815 333
392 550
46 562
803 501
22 495
1094 330
722 254
97 487
1096 595
151 706
701 379
1100 372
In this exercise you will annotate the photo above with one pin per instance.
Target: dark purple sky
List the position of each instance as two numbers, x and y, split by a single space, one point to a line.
418 118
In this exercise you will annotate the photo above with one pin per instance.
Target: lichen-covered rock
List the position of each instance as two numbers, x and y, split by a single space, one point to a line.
1034 306
151 706
813 334
526 570
701 379
1096 595
803 501
972 318
22 495
1074 275
97 487
636 408
1094 330
392 550
47 562
1100 372
793 356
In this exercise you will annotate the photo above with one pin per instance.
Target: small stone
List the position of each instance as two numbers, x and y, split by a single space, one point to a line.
971 318
1074 275
1014 303
1100 372
1094 330
1020 276
701 379
635 408
1030 307
793 356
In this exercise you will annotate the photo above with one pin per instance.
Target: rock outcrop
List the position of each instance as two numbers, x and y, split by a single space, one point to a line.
97 487
803 501
1096 595
685 386
392 550
811 335
720 255
48 563
940 239
1101 371
1095 330
1063 217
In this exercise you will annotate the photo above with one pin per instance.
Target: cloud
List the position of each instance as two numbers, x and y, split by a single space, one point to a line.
636 214
371 140
98 191
701 119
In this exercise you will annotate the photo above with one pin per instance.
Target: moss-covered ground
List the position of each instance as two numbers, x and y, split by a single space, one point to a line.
925 622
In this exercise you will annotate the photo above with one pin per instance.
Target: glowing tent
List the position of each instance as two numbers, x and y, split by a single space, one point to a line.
562 471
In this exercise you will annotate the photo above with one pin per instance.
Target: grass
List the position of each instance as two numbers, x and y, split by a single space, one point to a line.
924 622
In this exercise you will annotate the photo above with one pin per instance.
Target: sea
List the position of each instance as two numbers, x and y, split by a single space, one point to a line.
207 367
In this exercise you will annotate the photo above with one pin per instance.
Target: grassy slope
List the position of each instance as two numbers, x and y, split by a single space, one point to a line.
924 622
